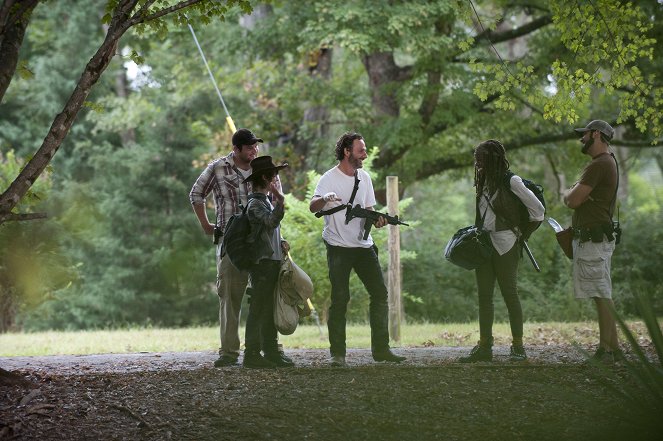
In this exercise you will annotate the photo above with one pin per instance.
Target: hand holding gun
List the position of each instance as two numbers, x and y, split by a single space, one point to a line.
371 217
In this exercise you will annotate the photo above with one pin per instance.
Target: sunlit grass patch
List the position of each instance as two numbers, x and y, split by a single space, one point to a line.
305 337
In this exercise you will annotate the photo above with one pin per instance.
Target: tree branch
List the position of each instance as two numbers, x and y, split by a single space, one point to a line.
18 217
139 18
636 144
499 37
26 6
11 40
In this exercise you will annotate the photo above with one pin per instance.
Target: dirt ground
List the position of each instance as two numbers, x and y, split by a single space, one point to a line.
181 396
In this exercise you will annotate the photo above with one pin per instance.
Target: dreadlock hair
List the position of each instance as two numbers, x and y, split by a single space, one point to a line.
345 142
494 165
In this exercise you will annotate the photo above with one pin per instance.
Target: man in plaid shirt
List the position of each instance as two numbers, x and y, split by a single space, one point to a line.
224 178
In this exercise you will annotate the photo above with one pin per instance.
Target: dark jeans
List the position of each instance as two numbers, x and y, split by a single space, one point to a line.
504 269
365 262
260 329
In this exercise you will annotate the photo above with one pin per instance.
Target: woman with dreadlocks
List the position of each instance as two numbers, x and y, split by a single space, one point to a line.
496 205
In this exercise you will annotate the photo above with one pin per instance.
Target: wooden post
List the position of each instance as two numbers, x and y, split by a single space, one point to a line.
394 272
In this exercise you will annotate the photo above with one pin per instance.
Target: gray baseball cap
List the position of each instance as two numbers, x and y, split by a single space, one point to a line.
599 125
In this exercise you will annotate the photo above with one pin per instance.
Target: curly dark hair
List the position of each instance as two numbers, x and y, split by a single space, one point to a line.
492 156
345 142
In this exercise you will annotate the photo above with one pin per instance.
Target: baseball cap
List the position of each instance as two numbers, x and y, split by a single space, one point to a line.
600 126
244 137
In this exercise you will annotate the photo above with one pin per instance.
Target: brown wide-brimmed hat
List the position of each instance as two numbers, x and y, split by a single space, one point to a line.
263 164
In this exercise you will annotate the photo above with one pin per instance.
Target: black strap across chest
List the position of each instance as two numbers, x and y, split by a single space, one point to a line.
347 206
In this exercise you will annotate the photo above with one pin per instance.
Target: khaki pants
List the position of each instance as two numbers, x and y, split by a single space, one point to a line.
230 286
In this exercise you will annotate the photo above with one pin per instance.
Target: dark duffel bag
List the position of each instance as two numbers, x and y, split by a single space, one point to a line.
469 248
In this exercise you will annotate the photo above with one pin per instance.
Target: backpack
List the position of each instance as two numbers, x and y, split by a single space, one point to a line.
237 242
523 214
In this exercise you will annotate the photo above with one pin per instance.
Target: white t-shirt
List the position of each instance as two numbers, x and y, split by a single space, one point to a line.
336 232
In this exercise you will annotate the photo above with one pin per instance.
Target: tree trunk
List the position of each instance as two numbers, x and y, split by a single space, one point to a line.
7 307
13 23
383 77
60 127
122 90
120 23
320 66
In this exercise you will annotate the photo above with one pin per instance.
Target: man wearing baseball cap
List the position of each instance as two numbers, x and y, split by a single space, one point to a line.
593 200
226 178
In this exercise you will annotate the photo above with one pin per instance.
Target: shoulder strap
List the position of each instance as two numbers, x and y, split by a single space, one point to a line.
613 201
483 217
497 215
614 198
507 178
356 187
347 206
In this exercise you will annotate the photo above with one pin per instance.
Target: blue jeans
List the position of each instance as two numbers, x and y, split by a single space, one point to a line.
260 329
364 261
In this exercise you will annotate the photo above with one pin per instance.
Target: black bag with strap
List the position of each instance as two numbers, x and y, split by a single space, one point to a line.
470 247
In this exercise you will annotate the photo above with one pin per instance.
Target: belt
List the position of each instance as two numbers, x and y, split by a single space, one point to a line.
596 233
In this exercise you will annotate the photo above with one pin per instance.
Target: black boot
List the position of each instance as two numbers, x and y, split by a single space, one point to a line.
387 355
478 353
279 359
253 359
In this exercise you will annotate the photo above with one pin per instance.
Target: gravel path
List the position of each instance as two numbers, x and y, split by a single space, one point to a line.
304 358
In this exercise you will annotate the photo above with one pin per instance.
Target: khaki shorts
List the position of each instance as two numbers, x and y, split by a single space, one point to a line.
591 269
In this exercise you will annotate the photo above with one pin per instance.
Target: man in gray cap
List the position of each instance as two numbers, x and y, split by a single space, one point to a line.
225 179
593 200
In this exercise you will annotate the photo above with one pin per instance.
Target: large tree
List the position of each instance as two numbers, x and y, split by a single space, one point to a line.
121 16
441 75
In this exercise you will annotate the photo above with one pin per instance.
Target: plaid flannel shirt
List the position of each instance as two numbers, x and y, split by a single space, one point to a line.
225 181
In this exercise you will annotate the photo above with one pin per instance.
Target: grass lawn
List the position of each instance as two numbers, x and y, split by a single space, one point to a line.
306 336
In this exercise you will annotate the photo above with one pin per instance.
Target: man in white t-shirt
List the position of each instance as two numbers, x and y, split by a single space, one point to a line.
347 250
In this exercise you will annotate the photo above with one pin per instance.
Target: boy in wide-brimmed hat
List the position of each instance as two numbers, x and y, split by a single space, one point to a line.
265 216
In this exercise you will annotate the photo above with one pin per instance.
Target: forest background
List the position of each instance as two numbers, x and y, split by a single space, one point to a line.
423 81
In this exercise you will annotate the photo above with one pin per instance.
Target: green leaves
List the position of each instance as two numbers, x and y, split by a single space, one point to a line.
606 40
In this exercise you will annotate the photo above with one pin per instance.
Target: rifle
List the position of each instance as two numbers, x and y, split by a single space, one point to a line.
371 217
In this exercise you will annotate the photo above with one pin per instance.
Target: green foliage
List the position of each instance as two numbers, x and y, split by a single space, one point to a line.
642 386
607 43
134 252
31 263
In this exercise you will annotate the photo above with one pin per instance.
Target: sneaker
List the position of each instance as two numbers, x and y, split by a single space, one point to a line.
478 353
387 355
225 360
255 360
279 359
517 353
338 361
